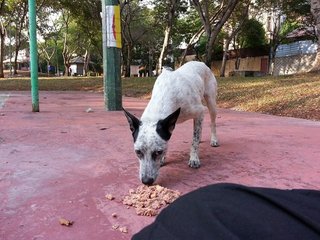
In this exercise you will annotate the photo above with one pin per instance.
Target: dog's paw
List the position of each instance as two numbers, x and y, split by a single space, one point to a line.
194 163
214 143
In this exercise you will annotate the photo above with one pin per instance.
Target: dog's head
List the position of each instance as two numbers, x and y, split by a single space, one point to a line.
150 143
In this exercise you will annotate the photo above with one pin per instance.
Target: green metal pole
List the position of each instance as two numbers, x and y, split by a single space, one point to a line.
33 55
111 60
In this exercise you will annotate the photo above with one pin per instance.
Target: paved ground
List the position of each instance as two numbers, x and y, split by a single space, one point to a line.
62 162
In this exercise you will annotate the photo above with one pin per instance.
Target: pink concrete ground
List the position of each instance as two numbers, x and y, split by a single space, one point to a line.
62 162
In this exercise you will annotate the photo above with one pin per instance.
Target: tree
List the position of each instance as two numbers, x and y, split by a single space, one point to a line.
252 34
213 15
232 28
17 14
166 14
50 29
13 16
136 26
190 30
84 34
284 16
315 10
171 8
2 35
74 42
142 27
47 52
67 49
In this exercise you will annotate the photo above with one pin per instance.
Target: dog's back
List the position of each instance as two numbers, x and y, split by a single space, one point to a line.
185 87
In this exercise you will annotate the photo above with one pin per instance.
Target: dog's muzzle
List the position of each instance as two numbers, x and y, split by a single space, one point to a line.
147 180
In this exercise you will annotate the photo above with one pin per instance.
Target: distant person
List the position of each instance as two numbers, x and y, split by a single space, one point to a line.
142 70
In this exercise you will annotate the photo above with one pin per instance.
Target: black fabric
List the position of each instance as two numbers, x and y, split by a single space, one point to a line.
230 211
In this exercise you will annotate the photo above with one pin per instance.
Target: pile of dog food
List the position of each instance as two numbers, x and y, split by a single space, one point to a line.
147 200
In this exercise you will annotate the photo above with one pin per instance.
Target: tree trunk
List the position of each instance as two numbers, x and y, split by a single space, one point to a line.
2 36
213 25
164 49
66 69
66 53
167 34
124 58
19 28
224 58
128 60
234 32
272 57
225 51
47 56
217 28
193 40
209 51
66 58
15 63
150 62
86 63
48 69
316 65
315 10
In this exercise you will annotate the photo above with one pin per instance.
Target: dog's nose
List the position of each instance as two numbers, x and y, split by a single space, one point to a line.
147 181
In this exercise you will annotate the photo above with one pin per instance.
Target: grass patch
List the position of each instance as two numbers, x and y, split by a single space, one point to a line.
53 84
294 96
137 87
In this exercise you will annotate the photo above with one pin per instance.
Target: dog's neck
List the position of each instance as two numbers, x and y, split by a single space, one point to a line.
154 113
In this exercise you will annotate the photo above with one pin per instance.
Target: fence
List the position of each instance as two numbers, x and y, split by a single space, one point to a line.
297 57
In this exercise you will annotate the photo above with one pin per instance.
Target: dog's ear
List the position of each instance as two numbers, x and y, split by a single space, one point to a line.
165 126
134 124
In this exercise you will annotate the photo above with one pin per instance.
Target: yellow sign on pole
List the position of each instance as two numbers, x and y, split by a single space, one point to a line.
113 23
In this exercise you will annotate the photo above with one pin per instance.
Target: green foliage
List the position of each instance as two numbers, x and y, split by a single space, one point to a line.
200 47
147 21
141 32
252 34
162 8
86 24
187 24
296 8
286 28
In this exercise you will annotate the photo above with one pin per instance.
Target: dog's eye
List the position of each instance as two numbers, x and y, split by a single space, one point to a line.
156 154
139 153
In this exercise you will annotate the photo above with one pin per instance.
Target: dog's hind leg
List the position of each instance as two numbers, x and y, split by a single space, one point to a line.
211 104
194 160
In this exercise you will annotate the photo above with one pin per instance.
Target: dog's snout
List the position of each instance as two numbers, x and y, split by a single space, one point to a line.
147 180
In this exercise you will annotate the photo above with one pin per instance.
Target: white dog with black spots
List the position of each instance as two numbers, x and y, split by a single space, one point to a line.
176 97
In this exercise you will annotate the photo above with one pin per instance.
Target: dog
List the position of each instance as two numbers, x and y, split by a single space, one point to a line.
176 97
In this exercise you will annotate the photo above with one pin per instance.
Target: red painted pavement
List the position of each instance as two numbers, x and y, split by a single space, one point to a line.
62 162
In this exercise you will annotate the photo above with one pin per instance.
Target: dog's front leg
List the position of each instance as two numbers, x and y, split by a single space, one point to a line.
194 161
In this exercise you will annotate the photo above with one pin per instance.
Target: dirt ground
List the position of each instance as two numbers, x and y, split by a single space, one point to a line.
62 161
